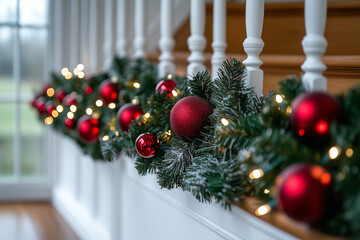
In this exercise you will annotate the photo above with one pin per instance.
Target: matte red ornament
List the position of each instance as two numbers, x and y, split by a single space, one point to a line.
88 129
49 107
70 124
167 86
312 115
147 145
126 114
109 91
303 191
40 104
69 100
189 116
60 94
88 89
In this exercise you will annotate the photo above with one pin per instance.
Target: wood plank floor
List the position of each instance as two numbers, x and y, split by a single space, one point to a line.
33 221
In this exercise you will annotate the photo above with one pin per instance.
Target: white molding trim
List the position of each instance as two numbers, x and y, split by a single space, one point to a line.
78 217
25 192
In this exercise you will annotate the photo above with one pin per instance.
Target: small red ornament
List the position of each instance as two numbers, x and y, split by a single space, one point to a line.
109 91
49 107
312 115
189 116
40 104
60 94
69 100
70 124
167 86
33 102
147 145
303 190
88 129
126 114
88 89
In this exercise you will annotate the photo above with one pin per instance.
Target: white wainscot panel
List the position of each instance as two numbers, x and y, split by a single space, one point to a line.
88 183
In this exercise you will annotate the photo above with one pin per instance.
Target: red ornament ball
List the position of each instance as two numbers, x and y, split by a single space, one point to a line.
109 91
126 114
303 190
167 86
147 145
312 115
40 104
87 89
189 116
88 129
33 102
70 124
45 88
60 94
49 107
69 100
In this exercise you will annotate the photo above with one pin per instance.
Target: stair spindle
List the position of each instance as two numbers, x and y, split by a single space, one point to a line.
253 44
314 45
166 43
219 36
140 29
108 47
121 44
196 41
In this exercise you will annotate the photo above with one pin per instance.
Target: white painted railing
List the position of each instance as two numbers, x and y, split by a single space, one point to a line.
140 29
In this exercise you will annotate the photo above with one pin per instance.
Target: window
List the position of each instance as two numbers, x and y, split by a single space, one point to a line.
23 57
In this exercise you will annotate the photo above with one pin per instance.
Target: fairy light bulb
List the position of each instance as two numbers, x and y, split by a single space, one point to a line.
256 173
99 103
60 108
262 210
334 152
224 122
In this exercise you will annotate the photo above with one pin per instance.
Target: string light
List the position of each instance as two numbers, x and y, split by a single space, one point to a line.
349 152
89 111
288 110
266 191
99 103
64 71
334 152
136 85
73 108
105 138
114 79
117 133
55 113
81 75
68 75
224 122
135 101
262 210
256 173
174 93
112 105
80 67
76 71
168 132
48 120
170 76
70 115
60 108
147 115
279 98
50 92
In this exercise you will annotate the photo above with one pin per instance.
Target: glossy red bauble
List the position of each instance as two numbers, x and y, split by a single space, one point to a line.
167 86
303 191
189 116
49 107
69 100
70 124
147 145
88 129
312 115
87 88
127 114
109 91
40 104
60 94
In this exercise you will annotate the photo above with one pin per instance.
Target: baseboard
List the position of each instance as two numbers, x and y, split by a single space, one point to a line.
25 192
79 218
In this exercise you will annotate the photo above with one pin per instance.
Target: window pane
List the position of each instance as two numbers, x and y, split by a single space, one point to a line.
31 143
33 47
33 11
7 36
7 10
7 131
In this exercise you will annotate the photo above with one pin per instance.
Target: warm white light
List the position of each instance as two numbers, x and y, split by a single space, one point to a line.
112 105
59 108
105 138
117 133
50 92
81 75
147 115
224 122
263 210
64 71
288 110
70 115
68 75
136 85
73 108
55 113
266 191
80 67
170 76
279 98
334 152
48 120
114 79
99 103
174 93
256 174
76 71
135 101
349 152
89 111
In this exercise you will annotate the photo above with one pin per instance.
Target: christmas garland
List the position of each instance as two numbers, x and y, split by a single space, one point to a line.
295 151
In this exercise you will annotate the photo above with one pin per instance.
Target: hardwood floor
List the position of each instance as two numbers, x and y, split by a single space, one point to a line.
33 221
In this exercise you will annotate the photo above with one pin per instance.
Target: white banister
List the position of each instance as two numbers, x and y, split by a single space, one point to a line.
166 43
108 47
219 36
314 45
196 41
121 43
140 29
253 44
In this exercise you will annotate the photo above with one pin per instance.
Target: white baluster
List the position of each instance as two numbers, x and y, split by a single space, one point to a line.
108 47
166 43
314 45
140 29
253 44
196 41
219 36
121 44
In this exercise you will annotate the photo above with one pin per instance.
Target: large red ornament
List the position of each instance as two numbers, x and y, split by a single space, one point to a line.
49 107
60 94
88 129
109 91
189 116
303 190
69 100
147 145
167 86
126 114
40 104
312 115
70 124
